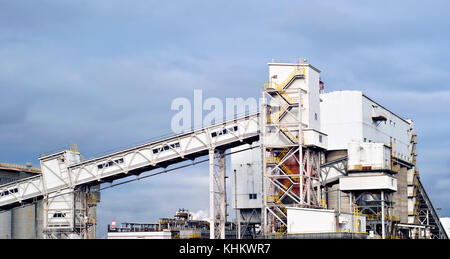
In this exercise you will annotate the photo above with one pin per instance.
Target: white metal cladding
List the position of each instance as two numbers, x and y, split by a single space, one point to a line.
55 172
341 118
59 210
374 156
394 129
59 172
314 138
246 177
310 86
304 220
347 116
375 182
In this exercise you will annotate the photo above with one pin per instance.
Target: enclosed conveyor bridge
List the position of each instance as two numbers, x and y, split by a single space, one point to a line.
65 170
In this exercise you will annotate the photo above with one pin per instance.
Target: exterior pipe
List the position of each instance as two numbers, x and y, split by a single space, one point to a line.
383 231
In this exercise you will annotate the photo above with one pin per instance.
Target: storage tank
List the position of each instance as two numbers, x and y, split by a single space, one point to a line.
39 219
23 222
5 224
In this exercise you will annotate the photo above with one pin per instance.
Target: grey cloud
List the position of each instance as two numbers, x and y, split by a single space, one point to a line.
103 74
26 15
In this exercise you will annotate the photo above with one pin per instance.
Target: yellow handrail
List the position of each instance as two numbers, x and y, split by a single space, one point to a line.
283 152
290 99
273 85
297 71
289 135
74 148
10 165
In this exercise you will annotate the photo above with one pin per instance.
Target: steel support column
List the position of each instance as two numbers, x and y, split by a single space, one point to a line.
217 194
383 227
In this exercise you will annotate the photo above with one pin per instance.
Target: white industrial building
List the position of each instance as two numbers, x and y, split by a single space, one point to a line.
367 164
351 116
308 162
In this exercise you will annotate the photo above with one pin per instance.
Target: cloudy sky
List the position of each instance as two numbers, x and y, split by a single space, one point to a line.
103 73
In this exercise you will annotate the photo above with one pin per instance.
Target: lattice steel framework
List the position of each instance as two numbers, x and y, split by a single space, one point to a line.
217 196
377 206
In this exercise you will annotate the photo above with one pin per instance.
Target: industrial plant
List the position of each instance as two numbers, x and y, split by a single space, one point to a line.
308 164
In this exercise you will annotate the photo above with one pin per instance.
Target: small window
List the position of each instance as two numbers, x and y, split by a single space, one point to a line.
320 138
7 192
166 147
315 116
365 139
235 128
100 166
119 161
155 151
224 131
214 134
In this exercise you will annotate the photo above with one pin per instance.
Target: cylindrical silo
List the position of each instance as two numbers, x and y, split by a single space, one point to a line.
39 219
5 224
23 222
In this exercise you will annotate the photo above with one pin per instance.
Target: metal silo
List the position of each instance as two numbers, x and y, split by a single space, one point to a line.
23 222
39 219
5 225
